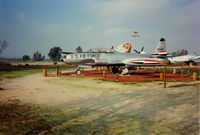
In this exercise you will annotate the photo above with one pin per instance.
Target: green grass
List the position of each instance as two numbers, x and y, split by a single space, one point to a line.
23 72
19 73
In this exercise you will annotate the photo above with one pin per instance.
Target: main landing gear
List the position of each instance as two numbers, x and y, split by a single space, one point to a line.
116 70
79 71
121 70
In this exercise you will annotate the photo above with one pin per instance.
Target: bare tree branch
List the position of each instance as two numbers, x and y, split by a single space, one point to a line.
3 45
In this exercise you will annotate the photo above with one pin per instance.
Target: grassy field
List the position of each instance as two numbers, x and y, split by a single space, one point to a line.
19 68
19 73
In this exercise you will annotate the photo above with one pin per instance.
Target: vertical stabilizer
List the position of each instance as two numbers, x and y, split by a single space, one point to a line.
161 47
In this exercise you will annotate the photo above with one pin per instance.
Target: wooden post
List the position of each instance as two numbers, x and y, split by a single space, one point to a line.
161 76
165 75
99 68
194 76
117 77
104 74
57 70
60 73
164 63
44 72
174 71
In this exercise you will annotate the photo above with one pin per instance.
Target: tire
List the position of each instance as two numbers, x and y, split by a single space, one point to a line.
79 71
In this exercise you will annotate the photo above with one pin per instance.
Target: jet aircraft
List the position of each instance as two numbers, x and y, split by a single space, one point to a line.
188 59
161 52
114 59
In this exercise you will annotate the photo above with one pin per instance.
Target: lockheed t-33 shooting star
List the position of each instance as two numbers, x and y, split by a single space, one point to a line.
118 61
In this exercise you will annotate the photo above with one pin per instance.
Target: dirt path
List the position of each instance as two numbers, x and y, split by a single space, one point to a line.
88 93
177 104
53 91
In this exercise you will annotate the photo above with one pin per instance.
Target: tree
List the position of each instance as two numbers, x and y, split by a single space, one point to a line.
79 49
181 52
26 57
3 45
55 54
37 56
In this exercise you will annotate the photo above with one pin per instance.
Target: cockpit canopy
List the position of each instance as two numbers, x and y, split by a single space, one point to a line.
101 50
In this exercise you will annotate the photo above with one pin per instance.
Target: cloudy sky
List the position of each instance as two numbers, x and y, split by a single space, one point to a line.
38 25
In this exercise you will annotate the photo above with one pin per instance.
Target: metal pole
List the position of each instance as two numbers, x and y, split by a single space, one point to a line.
135 37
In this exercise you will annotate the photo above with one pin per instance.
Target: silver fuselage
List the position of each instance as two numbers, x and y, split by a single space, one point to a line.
111 58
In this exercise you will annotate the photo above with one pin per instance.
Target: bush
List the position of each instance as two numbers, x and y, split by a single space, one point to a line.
26 57
37 56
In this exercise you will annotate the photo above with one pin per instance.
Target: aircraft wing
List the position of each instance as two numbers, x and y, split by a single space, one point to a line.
184 58
195 58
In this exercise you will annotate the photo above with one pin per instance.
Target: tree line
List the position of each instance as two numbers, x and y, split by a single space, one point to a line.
54 54
37 56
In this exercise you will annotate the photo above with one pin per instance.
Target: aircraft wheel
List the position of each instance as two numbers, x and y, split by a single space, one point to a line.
79 71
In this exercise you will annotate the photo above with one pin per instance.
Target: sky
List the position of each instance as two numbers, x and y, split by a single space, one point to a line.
39 25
